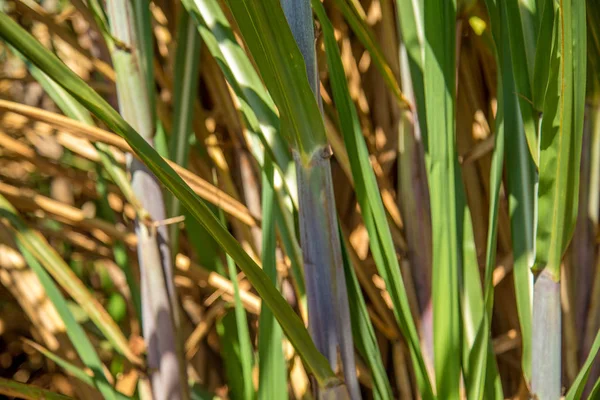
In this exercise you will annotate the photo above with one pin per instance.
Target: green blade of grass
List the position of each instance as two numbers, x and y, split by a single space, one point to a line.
244 355
75 332
576 390
232 339
363 332
412 176
530 18
291 324
562 130
449 215
560 152
595 391
282 68
521 58
369 198
232 349
256 104
543 54
520 188
521 192
187 60
410 26
73 370
69 368
28 392
272 377
507 122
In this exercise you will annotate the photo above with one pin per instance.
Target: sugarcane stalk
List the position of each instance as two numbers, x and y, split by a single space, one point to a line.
328 310
546 331
159 309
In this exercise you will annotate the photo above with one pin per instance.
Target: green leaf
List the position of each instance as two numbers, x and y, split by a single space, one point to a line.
272 377
410 21
234 357
238 335
520 188
369 199
71 369
451 228
363 332
560 153
560 140
507 123
256 104
291 324
595 391
543 54
521 58
576 390
28 392
283 70
187 60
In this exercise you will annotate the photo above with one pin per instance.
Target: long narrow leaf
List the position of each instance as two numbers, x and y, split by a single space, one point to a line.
245 356
272 382
28 392
364 334
450 217
522 62
507 122
520 184
576 390
73 370
560 152
291 324
369 198
282 68
187 60
561 137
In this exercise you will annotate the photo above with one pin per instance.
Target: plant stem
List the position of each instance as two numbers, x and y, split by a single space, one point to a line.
546 365
328 310
157 289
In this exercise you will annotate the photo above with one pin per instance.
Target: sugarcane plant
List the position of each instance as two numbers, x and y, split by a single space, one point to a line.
404 298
